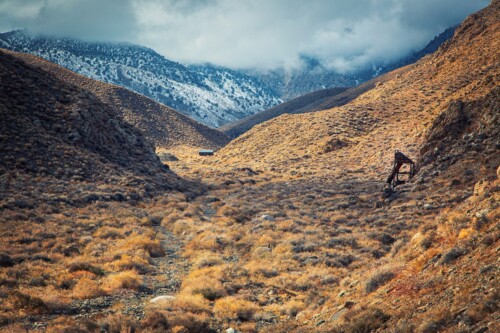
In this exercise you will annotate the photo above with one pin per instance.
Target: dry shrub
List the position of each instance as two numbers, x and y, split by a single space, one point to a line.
304 282
205 282
86 287
228 211
127 262
404 327
106 232
488 305
452 255
83 265
266 240
435 321
419 263
144 242
182 227
364 321
126 280
379 279
170 219
264 268
182 322
66 325
179 329
28 303
286 226
465 233
118 323
207 259
156 321
282 327
453 223
207 241
232 308
293 307
195 303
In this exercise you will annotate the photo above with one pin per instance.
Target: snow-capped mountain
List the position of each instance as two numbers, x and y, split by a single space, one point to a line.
212 95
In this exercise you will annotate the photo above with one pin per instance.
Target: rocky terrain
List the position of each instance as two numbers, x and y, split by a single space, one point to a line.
285 229
209 94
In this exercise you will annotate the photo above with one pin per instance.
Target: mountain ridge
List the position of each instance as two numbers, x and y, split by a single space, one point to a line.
210 94
163 126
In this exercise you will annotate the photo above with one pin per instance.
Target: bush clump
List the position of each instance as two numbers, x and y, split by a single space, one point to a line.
378 280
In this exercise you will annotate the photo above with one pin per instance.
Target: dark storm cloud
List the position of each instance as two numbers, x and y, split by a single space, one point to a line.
87 19
343 35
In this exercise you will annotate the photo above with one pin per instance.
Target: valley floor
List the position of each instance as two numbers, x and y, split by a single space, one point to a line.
261 250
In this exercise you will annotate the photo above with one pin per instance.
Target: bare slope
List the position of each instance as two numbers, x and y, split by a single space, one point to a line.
61 143
162 125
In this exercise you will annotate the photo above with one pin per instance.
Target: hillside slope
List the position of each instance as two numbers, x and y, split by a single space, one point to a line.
210 94
297 105
393 115
315 101
435 269
163 126
62 143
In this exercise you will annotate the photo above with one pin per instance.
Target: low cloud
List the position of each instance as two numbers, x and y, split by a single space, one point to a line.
97 20
342 35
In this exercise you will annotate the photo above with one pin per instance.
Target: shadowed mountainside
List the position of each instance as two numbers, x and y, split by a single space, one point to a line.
56 134
210 94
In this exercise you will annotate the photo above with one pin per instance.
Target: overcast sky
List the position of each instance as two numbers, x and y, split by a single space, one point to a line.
342 34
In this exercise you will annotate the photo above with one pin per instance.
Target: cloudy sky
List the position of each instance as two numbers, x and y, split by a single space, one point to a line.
342 34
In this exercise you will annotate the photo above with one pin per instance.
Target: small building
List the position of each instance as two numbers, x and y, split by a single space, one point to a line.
206 152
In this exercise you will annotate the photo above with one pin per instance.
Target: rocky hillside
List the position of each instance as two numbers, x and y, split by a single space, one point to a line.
61 143
210 94
163 126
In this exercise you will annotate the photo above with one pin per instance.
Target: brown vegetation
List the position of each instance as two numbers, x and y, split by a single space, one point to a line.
291 233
